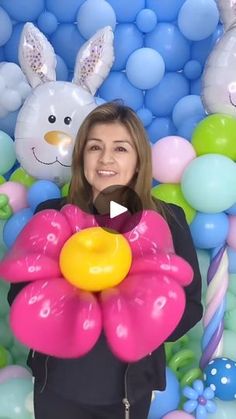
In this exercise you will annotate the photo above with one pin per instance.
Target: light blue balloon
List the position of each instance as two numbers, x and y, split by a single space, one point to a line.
192 69
126 11
145 68
163 97
5 27
171 44
127 38
208 183
187 126
94 15
23 10
167 400
145 115
198 19
117 86
62 72
166 10
209 230
159 128
7 153
15 224
47 22
232 260
64 10
67 41
187 107
146 20
12 46
8 123
41 191
13 395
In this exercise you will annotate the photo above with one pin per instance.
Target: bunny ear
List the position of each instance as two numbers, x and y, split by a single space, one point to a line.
94 60
36 56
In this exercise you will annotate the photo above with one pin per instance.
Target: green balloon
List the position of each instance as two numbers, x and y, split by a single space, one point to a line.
65 189
232 283
14 394
3 357
21 176
171 193
215 134
2 180
225 410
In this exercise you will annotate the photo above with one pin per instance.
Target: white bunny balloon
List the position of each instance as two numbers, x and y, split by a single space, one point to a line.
219 78
51 116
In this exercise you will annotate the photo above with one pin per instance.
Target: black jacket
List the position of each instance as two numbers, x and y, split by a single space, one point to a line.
99 377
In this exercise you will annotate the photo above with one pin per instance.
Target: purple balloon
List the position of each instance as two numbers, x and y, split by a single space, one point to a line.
13 371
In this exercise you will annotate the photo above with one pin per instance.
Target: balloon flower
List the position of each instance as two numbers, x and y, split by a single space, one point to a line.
85 279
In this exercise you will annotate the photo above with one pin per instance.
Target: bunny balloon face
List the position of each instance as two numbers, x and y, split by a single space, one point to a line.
219 78
51 116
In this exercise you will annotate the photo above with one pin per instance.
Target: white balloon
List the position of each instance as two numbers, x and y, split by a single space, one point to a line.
219 77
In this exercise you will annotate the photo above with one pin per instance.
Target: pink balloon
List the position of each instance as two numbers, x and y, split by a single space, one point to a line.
170 157
13 371
178 414
231 239
17 194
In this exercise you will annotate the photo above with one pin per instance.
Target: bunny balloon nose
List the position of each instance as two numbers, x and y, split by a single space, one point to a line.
58 138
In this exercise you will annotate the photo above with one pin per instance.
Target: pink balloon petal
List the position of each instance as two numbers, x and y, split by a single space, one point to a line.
140 314
150 235
78 219
35 252
55 318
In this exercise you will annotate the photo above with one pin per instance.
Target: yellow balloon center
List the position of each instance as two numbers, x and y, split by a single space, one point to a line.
95 259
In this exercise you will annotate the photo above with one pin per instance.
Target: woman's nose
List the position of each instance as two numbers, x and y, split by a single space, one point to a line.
106 156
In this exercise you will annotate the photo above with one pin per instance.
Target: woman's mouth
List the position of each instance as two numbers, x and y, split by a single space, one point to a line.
106 173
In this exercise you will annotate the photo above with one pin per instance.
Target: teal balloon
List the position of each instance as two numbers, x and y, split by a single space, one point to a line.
14 394
204 262
230 320
229 344
225 410
230 301
4 306
6 337
208 183
232 283
7 153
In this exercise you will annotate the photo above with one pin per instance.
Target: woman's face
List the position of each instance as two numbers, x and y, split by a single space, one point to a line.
110 157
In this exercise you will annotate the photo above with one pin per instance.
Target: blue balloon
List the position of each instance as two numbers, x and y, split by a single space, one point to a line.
213 325
61 69
67 41
187 107
167 400
187 127
166 10
146 20
198 19
196 87
127 38
23 10
15 224
192 69
171 44
209 230
117 86
41 191
47 22
145 68
126 11
64 10
231 210
232 260
163 97
159 128
145 115
94 15
12 46
5 27
220 375
201 49
2 58
8 123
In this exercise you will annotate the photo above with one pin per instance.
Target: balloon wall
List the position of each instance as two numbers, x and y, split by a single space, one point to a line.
173 62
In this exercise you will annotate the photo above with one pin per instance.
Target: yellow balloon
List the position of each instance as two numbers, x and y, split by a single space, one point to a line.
95 259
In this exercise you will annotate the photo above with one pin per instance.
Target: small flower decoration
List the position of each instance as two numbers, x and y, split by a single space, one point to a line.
84 278
200 400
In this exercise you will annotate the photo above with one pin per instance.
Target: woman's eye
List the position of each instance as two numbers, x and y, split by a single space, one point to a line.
94 147
121 149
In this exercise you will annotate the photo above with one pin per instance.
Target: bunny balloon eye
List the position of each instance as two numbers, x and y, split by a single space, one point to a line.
67 120
52 119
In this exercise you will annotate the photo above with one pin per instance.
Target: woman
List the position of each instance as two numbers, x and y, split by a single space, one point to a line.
111 148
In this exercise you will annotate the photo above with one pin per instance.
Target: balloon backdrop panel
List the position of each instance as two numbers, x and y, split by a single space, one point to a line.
173 62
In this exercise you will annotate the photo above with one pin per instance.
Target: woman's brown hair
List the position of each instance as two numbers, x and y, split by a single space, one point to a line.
80 192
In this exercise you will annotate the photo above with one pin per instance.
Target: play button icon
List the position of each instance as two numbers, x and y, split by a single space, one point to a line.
118 208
